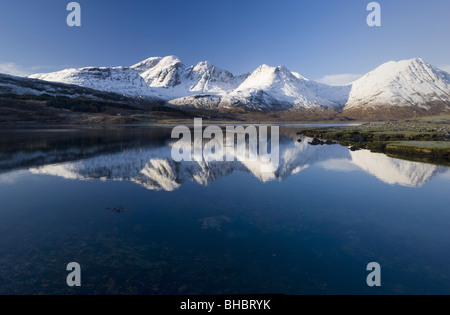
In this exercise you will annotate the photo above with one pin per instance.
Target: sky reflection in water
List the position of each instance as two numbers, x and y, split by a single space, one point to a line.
137 222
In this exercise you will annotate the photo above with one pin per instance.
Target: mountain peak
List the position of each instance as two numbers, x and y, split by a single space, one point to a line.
204 67
149 62
393 67
204 64
411 82
418 61
161 71
278 87
171 59
269 71
153 61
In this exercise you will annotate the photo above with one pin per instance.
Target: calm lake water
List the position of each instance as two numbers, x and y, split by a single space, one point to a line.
137 222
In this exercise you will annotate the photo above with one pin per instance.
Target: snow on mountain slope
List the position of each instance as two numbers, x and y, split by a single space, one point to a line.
336 94
299 76
408 83
117 80
168 78
206 78
278 87
265 88
164 72
404 83
175 80
273 88
26 86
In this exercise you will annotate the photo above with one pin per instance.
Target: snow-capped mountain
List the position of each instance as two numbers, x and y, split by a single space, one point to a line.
405 83
164 72
411 84
172 79
206 78
116 80
278 87
205 85
25 86
272 88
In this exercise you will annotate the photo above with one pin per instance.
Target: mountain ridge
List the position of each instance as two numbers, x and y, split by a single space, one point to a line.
407 87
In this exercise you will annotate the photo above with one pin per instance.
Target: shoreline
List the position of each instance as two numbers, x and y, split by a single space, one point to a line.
424 139
421 140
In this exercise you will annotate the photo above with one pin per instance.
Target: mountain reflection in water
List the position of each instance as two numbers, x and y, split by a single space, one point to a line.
138 222
148 162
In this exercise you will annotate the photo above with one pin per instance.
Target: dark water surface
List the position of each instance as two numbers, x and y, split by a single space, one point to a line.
114 201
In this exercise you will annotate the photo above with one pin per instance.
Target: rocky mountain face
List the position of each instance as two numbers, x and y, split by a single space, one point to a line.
115 80
170 72
28 86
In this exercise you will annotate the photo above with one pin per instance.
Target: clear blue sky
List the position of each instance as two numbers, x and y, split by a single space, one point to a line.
314 37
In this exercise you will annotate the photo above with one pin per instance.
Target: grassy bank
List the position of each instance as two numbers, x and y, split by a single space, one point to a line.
424 139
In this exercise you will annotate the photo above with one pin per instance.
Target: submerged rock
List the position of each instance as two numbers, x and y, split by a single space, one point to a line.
315 142
214 223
